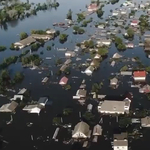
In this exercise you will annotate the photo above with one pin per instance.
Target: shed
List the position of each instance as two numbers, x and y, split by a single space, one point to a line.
97 130
89 107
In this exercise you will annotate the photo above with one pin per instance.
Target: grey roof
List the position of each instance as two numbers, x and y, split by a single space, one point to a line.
68 61
81 127
116 55
42 100
120 139
28 107
81 92
146 120
9 107
121 143
26 41
63 67
114 80
109 105
121 136
90 68
97 130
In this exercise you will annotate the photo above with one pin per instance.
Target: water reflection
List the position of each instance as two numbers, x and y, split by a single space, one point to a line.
13 23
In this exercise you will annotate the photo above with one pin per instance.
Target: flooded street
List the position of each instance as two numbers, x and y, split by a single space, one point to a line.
38 135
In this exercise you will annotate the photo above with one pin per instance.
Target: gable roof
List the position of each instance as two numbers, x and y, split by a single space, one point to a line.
9 107
139 73
81 127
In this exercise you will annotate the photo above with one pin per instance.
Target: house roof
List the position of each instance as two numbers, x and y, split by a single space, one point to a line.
121 143
64 80
114 80
120 139
43 100
116 55
92 6
26 41
90 68
81 127
139 73
81 92
109 105
134 21
146 120
97 130
9 107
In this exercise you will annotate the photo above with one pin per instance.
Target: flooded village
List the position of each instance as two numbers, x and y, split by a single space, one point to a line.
75 74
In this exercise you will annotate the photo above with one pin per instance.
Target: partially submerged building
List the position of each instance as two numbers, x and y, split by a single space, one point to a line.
139 76
114 107
89 70
97 130
63 81
145 122
10 107
120 141
81 131
25 42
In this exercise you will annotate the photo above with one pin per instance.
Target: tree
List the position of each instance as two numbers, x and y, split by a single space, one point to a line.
69 15
124 68
124 122
67 111
2 48
23 35
88 116
57 120
18 77
102 51
118 40
96 87
81 17
48 48
99 13
63 37
130 33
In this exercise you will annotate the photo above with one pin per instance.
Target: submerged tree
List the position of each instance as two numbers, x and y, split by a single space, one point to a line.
69 15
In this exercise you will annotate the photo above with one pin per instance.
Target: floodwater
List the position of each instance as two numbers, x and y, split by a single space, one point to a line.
17 134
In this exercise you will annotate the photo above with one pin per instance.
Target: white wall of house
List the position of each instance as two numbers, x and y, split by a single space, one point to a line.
79 135
120 147
139 78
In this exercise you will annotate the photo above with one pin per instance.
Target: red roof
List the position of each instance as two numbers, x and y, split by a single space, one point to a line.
63 80
139 73
135 21
92 6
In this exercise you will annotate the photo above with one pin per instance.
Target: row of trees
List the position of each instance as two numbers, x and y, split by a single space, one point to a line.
6 80
78 30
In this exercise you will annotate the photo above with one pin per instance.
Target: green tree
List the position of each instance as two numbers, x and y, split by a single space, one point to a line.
69 14
2 48
63 37
23 35
130 33
88 116
102 51
18 77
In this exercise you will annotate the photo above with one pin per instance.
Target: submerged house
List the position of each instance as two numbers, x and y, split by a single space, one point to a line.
10 107
63 81
114 107
120 141
25 42
145 122
97 130
93 7
42 101
117 56
89 70
35 109
70 54
81 93
139 76
114 82
50 31
81 131
134 22
42 36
